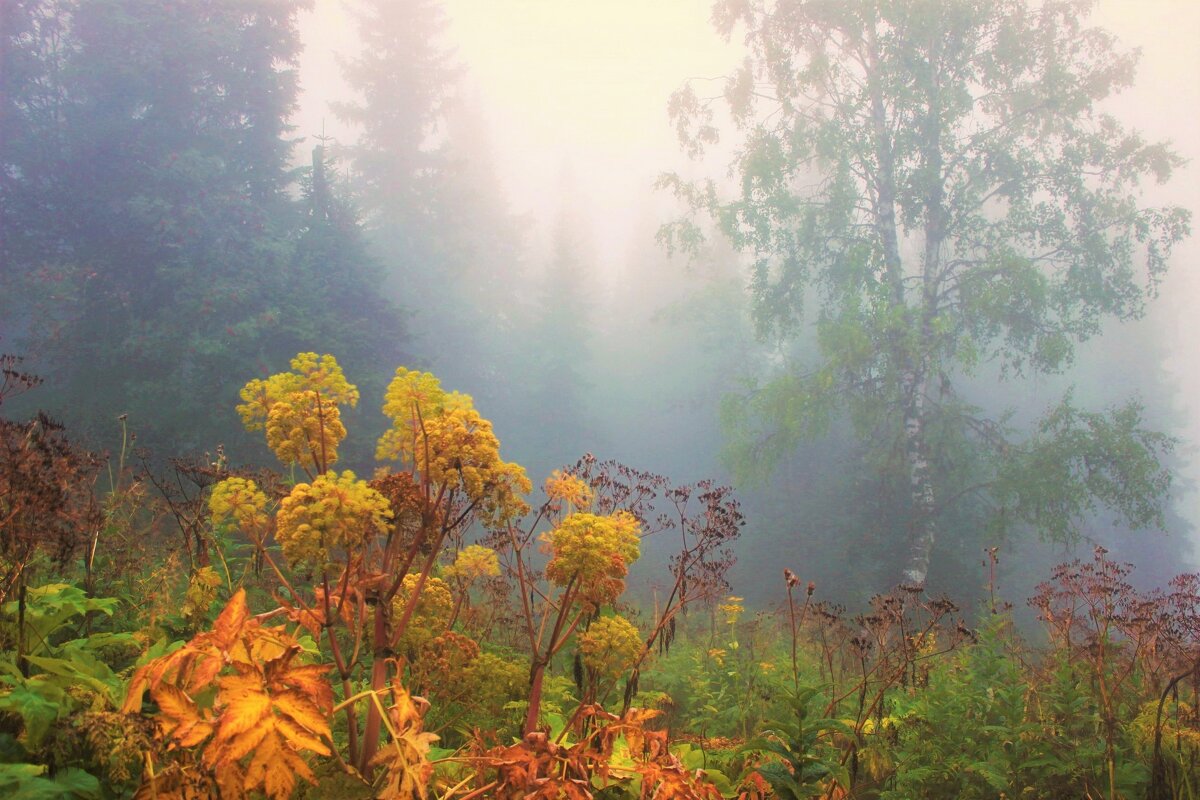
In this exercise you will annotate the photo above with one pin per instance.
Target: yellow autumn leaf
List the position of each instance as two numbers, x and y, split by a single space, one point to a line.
228 627
174 703
245 704
236 747
302 711
300 737
310 681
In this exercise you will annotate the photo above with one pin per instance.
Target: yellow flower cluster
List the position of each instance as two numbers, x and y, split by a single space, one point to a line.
595 552
299 409
732 608
305 429
240 501
412 398
563 487
610 646
452 445
333 511
430 617
474 562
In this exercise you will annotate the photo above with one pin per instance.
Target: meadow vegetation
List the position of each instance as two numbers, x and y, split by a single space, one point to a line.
443 630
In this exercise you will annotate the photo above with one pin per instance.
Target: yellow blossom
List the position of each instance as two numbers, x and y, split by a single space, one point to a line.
334 511
431 615
610 646
446 439
732 608
474 562
299 410
310 372
593 553
305 429
240 501
563 487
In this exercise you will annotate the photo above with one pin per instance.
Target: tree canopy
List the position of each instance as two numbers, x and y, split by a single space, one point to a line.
160 244
936 184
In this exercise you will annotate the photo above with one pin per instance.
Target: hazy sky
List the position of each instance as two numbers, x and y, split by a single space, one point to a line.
580 87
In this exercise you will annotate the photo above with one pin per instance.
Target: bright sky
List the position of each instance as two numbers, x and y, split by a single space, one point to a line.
581 87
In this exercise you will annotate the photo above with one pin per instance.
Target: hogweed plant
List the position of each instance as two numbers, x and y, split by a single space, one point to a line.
374 575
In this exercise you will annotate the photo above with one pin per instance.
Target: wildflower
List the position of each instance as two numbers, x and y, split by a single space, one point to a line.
594 552
431 615
563 487
474 562
299 410
333 511
611 646
732 608
240 501
443 436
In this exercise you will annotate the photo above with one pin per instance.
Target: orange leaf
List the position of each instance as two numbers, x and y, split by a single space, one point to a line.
244 702
233 748
299 737
231 781
311 681
193 734
174 703
137 689
232 619
302 711
204 671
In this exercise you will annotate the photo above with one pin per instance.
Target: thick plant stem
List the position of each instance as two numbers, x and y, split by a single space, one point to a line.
536 676
379 680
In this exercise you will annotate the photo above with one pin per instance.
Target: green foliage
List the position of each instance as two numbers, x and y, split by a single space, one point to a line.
29 782
64 694
1077 461
970 735
934 188
802 760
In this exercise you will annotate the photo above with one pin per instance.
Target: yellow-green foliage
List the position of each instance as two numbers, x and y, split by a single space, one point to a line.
494 681
201 592
239 501
333 511
1179 730
432 613
610 646
595 552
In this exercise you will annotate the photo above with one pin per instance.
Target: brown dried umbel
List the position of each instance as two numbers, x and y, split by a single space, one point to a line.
46 501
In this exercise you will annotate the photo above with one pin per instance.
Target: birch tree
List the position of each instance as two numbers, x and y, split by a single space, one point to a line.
934 185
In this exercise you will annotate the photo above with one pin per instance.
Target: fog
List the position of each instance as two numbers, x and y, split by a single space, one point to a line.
524 270
574 100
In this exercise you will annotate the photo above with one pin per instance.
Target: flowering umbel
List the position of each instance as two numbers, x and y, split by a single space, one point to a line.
610 647
594 553
300 410
334 511
442 436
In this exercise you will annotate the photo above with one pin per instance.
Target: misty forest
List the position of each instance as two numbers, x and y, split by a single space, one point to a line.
518 399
